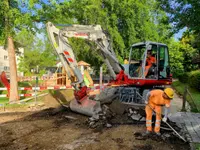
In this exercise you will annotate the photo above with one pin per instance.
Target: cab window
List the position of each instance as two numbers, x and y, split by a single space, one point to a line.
163 61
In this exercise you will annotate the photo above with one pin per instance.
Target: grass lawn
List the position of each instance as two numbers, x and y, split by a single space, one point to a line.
180 87
197 146
3 100
20 84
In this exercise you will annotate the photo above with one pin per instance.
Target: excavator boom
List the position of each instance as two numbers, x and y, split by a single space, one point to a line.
60 42
65 53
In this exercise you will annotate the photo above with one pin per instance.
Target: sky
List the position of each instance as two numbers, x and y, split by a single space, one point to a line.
179 34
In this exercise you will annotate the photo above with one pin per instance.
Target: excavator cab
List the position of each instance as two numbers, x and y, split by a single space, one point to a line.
147 69
148 60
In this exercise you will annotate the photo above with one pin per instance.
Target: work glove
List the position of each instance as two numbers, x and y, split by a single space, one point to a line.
164 119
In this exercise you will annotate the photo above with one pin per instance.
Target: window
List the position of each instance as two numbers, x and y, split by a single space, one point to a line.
163 61
162 53
6 68
135 61
5 57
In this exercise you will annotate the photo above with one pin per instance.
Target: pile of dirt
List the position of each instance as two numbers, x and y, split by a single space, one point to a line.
56 98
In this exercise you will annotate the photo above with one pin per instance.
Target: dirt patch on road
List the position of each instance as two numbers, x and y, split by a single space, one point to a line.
56 127
53 129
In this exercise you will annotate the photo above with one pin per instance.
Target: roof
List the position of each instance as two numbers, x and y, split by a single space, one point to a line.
82 63
147 43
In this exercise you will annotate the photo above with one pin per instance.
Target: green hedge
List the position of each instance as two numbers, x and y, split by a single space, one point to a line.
194 79
184 77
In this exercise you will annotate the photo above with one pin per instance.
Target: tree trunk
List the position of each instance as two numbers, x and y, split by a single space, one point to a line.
14 96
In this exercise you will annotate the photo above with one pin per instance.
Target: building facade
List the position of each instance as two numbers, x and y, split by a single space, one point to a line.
4 62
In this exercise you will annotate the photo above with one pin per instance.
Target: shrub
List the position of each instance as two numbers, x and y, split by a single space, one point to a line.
1 85
184 77
176 73
194 79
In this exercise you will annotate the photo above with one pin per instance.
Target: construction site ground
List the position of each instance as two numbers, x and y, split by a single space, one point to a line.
50 126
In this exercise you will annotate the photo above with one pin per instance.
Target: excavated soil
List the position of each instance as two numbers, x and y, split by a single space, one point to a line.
55 127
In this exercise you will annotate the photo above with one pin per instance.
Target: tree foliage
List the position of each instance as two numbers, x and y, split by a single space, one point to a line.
176 58
12 19
38 55
19 19
188 53
181 55
184 13
126 22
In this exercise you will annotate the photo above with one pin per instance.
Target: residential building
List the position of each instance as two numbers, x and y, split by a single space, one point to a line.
4 62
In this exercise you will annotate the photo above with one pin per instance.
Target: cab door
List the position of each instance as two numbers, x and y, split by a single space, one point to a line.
163 62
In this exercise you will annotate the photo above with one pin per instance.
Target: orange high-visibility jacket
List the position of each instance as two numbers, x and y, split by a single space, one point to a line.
150 60
156 97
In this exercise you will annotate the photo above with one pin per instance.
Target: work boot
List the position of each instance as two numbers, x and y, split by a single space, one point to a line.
158 133
142 136
147 133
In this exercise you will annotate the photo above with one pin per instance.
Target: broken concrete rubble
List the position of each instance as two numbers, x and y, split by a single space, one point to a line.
107 110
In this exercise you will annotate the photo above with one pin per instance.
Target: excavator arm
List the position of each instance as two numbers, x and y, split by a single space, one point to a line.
59 39
65 53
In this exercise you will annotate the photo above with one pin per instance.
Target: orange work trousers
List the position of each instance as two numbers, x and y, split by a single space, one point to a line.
149 113
147 70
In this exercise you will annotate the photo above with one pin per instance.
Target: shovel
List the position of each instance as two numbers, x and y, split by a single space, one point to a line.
170 126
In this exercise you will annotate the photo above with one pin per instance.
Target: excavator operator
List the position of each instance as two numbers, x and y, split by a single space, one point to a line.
149 61
150 58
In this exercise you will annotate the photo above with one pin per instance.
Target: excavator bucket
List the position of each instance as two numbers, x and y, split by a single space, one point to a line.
86 106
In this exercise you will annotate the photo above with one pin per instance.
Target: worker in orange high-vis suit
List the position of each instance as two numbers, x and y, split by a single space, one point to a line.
155 99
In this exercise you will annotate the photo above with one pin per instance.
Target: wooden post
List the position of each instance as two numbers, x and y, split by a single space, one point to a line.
194 105
36 85
4 108
184 99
